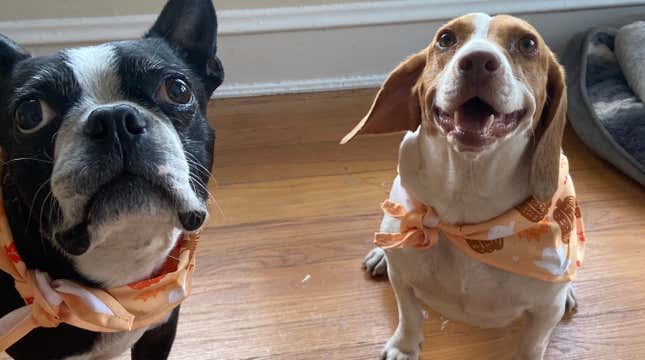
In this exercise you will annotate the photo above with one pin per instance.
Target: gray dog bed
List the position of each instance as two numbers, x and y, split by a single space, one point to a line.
603 110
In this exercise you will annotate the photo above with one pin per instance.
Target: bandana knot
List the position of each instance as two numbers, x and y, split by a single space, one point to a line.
413 230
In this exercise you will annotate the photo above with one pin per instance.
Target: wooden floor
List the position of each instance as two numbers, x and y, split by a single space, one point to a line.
279 273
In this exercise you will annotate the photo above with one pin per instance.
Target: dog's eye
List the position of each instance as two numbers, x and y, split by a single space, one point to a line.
528 46
33 115
446 39
175 91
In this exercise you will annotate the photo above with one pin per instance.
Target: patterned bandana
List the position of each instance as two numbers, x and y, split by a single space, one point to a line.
545 241
49 303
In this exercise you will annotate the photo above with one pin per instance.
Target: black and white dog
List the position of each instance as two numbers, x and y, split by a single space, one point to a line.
107 155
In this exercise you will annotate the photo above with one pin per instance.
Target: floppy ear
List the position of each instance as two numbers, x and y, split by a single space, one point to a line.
545 163
10 54
190 26
396 107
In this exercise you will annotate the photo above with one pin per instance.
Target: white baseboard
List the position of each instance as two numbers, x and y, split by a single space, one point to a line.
328 47
300 86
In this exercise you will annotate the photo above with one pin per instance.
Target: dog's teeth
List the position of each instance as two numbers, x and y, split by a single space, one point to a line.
489 123
455 120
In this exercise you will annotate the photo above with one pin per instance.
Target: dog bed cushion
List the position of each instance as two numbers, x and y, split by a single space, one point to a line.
603 110
630 54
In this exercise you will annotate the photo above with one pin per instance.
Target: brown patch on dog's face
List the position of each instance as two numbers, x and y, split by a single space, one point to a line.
531 67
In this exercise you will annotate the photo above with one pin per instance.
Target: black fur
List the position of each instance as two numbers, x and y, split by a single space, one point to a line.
197 46
156 343
182 41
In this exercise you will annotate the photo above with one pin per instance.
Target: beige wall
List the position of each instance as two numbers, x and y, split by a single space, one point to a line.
47 9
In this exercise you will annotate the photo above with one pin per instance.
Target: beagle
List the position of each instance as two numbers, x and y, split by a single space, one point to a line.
485 106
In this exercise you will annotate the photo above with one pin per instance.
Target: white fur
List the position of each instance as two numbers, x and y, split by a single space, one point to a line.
129 250
95 70
466 188
482 23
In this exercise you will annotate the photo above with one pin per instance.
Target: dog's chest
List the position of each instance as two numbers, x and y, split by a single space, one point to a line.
108 346
129 254
460 287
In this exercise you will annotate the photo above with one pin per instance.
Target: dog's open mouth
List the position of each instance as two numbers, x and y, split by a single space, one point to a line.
475 123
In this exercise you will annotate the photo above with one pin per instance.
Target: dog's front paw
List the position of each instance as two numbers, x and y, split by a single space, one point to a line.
393 353
375 263
571 305
402 348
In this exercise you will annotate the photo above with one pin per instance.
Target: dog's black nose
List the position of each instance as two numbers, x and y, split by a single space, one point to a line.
479 63
120 121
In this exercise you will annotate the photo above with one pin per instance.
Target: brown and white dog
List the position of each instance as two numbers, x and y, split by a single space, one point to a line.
485 106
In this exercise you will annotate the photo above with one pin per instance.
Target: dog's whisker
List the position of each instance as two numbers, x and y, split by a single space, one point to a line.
42 208
210 195
202 186
54 205
219 208
51 159
33 202
197 169
24 159
51 209
195 161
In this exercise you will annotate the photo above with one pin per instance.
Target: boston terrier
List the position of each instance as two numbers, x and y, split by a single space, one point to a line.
107 153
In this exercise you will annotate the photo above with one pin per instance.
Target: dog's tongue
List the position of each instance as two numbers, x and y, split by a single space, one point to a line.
473 115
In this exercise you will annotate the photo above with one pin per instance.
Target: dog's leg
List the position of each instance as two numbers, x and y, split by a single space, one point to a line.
538 325
571 305
156 343
406 341
375 262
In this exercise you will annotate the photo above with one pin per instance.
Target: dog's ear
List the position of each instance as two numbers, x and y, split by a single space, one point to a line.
396 107
545 164
190 26
10 54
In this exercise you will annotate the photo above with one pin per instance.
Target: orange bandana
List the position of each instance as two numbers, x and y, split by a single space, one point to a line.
49 303
544 241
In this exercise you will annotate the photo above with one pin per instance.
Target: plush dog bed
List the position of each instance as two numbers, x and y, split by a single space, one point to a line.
603 110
